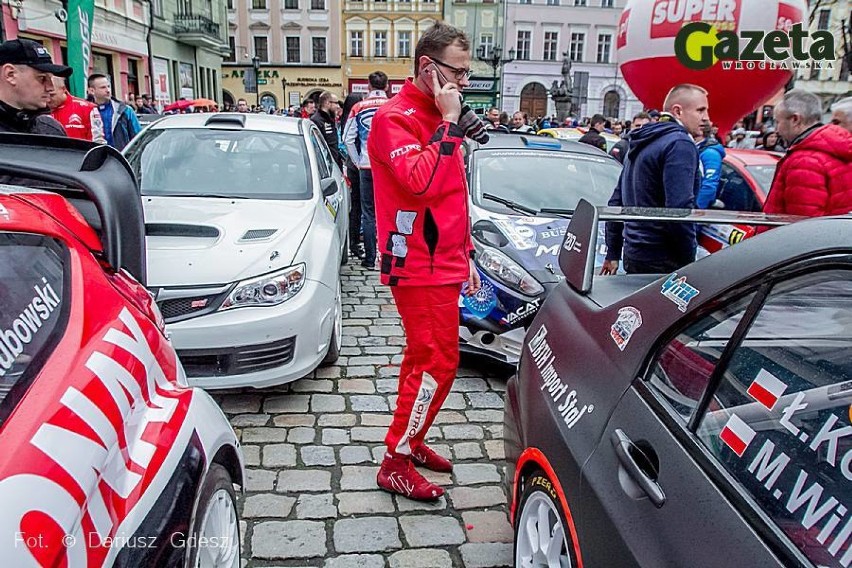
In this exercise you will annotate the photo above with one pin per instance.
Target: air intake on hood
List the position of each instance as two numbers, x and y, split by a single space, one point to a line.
175 230
255 234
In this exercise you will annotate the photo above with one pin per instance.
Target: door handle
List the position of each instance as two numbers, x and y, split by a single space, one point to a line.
639 466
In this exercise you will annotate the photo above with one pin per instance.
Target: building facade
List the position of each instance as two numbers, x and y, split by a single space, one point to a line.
188 42
830 82
543 33
382 35
482 20
119 33
295 44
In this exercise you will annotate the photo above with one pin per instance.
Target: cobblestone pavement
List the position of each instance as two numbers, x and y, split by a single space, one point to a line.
312 450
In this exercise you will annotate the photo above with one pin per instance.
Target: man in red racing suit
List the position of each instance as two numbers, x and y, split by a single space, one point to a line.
425 245
80 118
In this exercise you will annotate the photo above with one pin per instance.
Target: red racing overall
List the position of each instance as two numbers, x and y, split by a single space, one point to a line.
424 239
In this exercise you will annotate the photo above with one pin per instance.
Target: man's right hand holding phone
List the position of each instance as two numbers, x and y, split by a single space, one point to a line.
447 98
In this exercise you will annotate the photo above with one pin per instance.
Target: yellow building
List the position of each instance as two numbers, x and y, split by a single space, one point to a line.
381 36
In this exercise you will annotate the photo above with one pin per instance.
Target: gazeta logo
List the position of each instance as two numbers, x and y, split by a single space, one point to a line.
700 45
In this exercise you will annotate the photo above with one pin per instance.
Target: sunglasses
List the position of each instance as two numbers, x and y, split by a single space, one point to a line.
459 73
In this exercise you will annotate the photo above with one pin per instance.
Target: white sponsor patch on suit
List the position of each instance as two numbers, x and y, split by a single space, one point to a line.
405 221
399 247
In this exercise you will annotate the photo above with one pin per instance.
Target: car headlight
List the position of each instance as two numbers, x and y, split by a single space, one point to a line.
507 271
268 290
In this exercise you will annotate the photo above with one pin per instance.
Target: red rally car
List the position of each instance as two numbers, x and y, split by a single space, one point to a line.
746 179
107 458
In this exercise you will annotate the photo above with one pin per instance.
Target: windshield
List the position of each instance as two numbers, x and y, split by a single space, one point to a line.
221 163
554 180
762 175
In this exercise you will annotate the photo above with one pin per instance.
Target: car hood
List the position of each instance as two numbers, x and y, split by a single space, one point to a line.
195 241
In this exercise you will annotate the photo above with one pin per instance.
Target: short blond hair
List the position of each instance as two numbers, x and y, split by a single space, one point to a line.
680 93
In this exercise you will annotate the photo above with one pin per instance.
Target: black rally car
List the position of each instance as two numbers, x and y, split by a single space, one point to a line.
700 418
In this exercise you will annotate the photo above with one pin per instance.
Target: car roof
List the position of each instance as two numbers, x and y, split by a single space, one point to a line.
753 157
499 141
231 121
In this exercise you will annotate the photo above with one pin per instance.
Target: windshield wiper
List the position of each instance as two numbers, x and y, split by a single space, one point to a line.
556 211
510 204
214 195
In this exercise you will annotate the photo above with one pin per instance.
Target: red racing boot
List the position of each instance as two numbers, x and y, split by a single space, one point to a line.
397 475
426 457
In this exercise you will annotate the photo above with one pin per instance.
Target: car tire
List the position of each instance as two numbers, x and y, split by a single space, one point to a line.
336 331
540 503
215 517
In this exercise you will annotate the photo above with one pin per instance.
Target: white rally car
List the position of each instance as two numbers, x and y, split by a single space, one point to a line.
246 219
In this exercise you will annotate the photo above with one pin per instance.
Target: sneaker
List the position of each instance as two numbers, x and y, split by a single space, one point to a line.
397 475
426 457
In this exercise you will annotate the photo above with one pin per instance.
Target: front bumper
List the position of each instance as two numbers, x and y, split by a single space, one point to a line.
257 346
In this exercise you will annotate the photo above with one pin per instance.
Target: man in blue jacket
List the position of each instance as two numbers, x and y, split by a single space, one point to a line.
120 121
710 154
660 170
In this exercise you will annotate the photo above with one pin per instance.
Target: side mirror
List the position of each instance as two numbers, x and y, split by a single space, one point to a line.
329 186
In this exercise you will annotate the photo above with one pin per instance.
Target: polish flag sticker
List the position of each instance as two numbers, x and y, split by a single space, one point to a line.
737 435
766 389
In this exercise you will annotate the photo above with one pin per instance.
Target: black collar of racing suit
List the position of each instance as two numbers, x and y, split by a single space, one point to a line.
19 120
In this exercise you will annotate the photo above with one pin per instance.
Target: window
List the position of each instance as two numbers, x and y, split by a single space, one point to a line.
606 4
551 45
604 48
230 4
523 45
261 48
184 7
404 44
356 44
779 420
579 2
31 266
323 156
683 368
578 46
258 4
524 1
318 45
294 49
487 40
380 44
317 4
133 76
156 8
735 192
232 49
291 4
824 19
553 2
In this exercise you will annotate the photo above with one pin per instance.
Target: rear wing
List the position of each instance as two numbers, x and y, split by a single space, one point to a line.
577 255
96 180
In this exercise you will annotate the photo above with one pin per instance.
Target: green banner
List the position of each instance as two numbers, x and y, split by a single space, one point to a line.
78 30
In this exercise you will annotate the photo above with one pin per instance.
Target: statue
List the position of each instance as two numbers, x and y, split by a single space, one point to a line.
562 93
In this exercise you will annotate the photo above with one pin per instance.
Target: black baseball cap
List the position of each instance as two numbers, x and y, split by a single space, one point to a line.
33 54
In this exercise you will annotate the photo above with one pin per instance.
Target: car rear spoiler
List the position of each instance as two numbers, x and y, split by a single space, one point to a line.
95 178
577 254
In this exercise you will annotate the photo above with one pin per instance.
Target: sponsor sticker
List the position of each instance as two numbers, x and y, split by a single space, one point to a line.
527 309
766 389
483 302
679 291
628 321
572 244
737 435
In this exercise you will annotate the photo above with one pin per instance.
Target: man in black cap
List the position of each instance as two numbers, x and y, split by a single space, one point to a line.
26 83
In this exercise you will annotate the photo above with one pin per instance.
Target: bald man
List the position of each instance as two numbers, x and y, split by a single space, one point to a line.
660 170
80 118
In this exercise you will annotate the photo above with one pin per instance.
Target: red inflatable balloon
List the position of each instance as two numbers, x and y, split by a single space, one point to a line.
646 52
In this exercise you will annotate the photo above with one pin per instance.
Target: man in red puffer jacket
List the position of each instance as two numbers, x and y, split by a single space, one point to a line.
814 178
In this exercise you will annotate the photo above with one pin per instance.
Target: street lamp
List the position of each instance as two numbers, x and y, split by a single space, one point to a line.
255 61
495 60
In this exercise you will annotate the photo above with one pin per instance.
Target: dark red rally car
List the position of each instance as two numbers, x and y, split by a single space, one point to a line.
699 418
107 458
